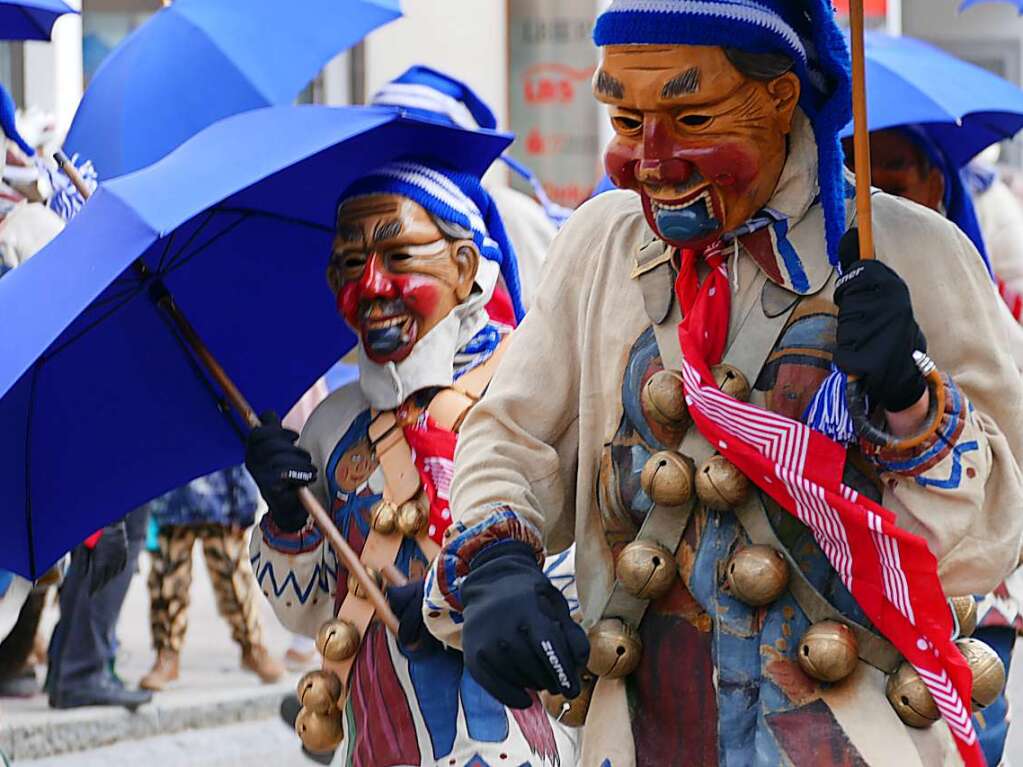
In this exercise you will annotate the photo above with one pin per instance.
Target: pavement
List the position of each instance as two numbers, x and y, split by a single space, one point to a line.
216 715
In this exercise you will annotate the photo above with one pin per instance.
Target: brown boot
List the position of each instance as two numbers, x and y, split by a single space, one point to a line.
258 660
164 671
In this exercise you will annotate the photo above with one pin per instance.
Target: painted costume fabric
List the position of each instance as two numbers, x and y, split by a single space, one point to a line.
404 709
553 454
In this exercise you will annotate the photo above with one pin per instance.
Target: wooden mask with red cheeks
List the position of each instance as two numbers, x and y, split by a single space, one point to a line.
396 275
703 144
900 167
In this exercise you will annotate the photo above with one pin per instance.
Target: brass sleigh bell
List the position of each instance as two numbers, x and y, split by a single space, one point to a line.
720 485
384 517
615 649
731 381
413 517
965 611
646 569
828 651
757 575
667 478
338 640
664 399
910 697
319 691
571 713
320 733
988 671
356 589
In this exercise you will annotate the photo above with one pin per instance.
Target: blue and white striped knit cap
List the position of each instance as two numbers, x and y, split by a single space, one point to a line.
450 196
803 30
427 94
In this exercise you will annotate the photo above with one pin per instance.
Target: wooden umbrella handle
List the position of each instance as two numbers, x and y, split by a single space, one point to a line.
861 131
241 405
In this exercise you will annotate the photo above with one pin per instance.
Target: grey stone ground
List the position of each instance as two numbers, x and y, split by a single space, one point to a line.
215 716
236 713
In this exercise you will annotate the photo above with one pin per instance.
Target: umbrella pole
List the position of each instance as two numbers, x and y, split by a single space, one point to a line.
72 173
861 133
351 560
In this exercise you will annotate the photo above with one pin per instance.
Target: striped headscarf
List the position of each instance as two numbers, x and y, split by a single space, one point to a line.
452 196
803 30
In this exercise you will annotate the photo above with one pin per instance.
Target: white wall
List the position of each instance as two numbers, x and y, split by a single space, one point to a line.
53 70
465 38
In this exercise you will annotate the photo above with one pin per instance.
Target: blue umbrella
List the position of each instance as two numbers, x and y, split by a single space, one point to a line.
198 61
30 19
970 3
103 407
963 108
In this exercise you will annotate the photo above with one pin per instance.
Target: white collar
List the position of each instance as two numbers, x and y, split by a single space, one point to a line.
431 362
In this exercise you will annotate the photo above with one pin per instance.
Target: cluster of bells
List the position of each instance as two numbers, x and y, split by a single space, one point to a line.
756 575
320 692
410 518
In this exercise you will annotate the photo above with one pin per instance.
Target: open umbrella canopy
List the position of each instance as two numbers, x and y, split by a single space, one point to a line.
970 3
30 19
963 108
102 406
198 61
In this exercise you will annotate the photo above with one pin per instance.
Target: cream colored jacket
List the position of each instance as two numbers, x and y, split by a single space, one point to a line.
534 443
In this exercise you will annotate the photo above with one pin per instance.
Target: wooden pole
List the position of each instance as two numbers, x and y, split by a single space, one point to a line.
861 132
323 521
72 173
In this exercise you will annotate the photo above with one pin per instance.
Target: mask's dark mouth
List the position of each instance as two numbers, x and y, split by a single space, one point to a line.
387 327
690 219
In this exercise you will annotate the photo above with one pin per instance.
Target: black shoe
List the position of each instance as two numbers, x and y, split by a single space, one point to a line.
289 713
21 685
103 693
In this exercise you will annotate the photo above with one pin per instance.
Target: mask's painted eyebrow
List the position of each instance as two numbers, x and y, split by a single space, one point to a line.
607 85
347 233
387 230
684 84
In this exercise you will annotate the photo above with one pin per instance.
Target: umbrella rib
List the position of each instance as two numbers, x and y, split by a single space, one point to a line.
51 353
200 373
283 218
29 532
191 238
181 260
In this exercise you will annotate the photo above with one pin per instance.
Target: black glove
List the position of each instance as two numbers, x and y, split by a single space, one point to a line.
518 634
877 333
413 636
279 467
108 558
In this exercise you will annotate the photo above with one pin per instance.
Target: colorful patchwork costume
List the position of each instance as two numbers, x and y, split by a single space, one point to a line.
405 707
581 422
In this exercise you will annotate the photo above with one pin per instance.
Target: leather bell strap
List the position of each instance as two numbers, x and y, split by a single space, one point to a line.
750 345
873 649
401 483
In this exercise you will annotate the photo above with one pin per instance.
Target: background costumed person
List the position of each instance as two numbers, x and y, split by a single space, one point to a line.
419 254
727 533
905 162
428 94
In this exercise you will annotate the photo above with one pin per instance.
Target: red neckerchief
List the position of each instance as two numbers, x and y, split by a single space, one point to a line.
892 574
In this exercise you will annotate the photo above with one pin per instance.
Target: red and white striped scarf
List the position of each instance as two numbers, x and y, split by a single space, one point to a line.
892 574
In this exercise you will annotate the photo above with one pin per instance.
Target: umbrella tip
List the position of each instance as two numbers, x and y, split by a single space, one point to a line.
60 158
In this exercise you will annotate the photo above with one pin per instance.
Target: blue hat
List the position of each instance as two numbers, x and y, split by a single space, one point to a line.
803 30
958 201
431 95
7 112
450 196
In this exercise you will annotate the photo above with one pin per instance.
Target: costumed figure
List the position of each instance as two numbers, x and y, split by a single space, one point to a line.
216 510
531 224
420 261
907 163
759 585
